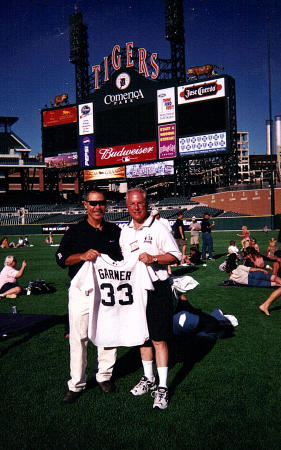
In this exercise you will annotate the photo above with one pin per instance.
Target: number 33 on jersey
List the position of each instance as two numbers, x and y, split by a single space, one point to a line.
117 304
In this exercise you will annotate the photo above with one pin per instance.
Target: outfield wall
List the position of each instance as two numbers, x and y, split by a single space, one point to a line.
252 202
221 224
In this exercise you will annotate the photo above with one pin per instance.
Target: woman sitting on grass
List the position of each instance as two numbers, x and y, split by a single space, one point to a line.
250 276
255 257
8 278
253 243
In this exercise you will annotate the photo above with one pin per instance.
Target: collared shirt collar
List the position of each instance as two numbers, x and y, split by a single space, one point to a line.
149 221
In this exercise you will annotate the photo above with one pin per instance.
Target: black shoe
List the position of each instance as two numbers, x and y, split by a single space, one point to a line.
72 396
107 386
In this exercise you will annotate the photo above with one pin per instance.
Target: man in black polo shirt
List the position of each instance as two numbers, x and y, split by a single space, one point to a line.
85 241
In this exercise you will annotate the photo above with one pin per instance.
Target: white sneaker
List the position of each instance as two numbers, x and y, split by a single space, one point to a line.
160 398
143 386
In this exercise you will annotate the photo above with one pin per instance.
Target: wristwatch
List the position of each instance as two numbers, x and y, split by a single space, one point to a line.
155 260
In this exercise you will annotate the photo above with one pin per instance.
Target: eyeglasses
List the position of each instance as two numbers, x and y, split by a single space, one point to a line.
131 205
96 202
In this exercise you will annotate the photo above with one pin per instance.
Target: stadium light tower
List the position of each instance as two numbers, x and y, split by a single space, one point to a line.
78 38
174 29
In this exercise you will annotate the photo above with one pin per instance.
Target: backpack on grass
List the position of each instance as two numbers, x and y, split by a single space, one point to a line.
40 287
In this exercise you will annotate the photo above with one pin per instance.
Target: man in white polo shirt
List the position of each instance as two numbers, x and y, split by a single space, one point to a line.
156 248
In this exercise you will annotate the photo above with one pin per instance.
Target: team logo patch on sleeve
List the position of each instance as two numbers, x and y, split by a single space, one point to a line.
59 255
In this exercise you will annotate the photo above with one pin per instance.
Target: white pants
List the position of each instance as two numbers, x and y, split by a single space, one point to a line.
78 308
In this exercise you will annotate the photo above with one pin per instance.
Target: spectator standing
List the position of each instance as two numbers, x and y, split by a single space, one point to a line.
206 229
156 248
155 213
85 241
194 227
179 234
265 229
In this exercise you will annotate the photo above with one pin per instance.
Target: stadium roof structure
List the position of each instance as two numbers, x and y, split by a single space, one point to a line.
13 150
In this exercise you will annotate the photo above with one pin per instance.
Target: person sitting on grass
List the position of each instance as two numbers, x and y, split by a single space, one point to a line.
271 249
253 243
254 257
9 286
4 243
193 258
264 307
233 248
277 264
251 276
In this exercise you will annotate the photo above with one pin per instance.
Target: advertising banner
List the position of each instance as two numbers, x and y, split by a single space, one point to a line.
206 90
167 141
104 174
166 105
120 154
59 116
86 154
207 143
60 161
86 119
156 169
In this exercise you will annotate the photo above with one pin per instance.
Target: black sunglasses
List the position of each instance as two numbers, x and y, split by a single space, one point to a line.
96 202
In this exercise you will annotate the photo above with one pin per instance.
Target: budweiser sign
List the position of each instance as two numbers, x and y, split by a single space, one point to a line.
145 151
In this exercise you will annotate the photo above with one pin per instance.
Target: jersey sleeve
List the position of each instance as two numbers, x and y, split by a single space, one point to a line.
66 248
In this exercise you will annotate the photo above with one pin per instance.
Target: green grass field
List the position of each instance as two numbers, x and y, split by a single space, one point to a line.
228 399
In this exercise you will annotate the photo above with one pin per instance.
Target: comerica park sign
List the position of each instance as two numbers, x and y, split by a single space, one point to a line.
116 61
138 122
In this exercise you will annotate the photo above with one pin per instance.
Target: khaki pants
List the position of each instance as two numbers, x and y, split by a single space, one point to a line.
78 340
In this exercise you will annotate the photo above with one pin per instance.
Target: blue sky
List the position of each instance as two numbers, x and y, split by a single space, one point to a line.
34 48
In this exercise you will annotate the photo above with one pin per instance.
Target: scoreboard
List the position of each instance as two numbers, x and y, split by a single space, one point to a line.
135 126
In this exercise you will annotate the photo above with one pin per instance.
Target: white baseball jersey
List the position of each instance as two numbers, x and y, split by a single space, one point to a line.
117 303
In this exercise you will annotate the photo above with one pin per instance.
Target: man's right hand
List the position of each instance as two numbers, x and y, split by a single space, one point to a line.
90 255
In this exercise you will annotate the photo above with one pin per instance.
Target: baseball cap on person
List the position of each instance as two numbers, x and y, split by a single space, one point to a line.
206 213
193 218
154 212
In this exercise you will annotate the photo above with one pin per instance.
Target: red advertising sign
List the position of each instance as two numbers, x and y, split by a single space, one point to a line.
59 116
120 154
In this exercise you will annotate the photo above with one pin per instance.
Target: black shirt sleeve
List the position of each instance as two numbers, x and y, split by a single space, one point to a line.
83 237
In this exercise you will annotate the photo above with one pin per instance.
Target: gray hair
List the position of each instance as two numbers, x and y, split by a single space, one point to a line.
8 260
136 189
